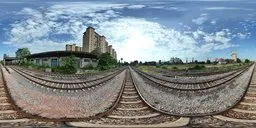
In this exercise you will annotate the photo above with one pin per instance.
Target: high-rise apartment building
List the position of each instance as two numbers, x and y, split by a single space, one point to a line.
234 56
103 44
92 42
110 49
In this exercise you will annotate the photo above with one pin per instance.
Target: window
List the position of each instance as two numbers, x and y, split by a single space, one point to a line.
94 60
54 62
86 60
37 61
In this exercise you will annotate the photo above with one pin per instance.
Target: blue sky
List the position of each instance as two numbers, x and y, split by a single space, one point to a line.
138 29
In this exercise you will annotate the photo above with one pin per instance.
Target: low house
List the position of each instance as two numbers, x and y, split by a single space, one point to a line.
221 61
9 60
53 58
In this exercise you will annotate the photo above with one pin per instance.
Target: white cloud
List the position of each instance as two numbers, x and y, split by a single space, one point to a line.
227 8
213 22
200 20
217 40
242 35
136 6
70 19
132 38
146 40
169 8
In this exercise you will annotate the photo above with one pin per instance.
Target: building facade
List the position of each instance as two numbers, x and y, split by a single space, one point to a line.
73 47
92 41
54 58
234 56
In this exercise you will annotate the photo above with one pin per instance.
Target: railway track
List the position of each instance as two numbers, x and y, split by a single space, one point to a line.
191 86
12 116
131 110
65 77
69 86
245 110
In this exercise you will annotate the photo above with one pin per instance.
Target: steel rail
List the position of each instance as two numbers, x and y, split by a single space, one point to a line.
202 114
240 100
77 88
62 82
118 100
65 75
175 82
192 89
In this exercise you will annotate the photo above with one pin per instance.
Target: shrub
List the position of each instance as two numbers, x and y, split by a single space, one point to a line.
102 68
164 67
106 61
45 66
27 64
68 66
88 67
174 68
247 61
197 67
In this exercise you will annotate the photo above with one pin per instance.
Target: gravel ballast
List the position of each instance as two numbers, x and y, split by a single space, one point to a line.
46 103
193 103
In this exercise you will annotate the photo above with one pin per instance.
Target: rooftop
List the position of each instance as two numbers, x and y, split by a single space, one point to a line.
62 54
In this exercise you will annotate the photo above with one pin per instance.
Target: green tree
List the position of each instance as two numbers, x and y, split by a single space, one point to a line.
106 61
238 60
126 63
229 61
247 61
21 53
208 61
121 60
68 66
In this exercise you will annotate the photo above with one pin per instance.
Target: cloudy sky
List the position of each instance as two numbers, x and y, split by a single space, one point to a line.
138 29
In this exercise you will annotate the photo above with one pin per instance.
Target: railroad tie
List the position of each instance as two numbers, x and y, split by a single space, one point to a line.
244 111
250 104
3 98
133 92
134 117
7 111
131 102
132 109
129 97
247 97
15 120
4 104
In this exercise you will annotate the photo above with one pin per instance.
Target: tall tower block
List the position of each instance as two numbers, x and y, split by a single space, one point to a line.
88 40
234 56
103 44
